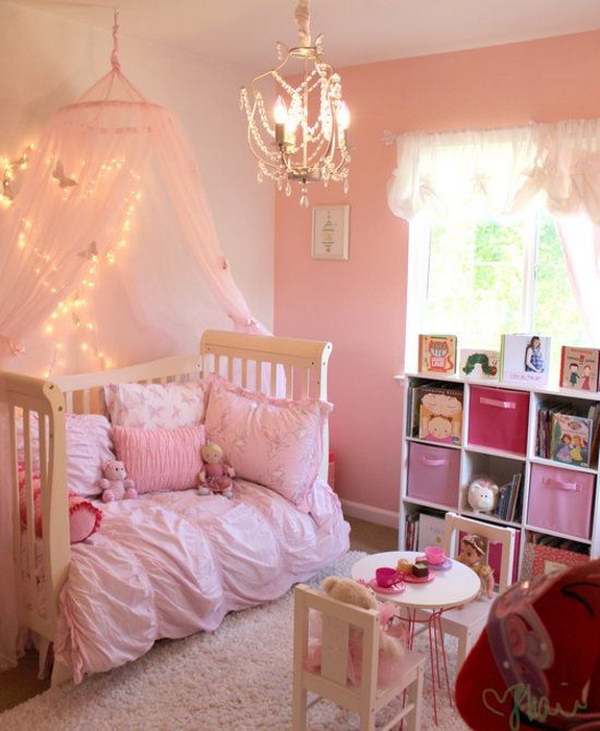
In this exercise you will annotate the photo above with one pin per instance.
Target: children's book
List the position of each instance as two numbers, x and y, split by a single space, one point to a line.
524 359
579 368
484 364
437 354
440 414
571 439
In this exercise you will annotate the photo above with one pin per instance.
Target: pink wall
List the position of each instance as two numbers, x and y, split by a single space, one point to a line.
359 304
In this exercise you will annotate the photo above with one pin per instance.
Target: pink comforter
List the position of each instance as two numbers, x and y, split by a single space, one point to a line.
170 564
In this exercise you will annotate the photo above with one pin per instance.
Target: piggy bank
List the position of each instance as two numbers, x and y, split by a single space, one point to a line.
482 495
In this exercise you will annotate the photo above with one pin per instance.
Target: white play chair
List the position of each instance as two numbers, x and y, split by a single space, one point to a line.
467 623
330 680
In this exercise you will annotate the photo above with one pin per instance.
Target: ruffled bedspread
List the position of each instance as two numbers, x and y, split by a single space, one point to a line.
168 565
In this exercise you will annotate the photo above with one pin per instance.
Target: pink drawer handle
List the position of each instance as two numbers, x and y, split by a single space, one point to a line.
499 404
573 486
433 462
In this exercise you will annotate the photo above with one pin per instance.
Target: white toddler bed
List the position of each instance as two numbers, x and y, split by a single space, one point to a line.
167 564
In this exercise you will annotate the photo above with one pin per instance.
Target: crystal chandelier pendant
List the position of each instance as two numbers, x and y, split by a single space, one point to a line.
302 136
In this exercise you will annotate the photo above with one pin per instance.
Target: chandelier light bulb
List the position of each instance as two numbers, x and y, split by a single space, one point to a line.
280 114
343 116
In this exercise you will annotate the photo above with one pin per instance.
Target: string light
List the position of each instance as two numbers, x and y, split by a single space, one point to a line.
72 311
8 169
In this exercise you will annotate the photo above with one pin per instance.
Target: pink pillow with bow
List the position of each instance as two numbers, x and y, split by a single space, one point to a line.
155 405
160 459
275 442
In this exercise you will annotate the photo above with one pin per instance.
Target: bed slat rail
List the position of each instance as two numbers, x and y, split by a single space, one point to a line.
46 558
84 392
304 362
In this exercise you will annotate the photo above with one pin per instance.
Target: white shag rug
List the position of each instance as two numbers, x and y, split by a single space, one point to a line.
238 678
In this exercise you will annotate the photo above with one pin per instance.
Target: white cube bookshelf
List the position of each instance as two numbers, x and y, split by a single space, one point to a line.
547 485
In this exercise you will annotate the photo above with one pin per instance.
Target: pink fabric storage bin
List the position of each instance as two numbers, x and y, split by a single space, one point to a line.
433 474
498 419
560 500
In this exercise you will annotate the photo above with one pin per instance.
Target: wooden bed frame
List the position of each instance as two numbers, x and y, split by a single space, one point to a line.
255 362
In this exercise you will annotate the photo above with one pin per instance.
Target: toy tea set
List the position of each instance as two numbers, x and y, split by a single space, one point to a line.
390 580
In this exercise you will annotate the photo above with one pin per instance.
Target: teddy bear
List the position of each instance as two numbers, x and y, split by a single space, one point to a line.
392 635
215 475
115 484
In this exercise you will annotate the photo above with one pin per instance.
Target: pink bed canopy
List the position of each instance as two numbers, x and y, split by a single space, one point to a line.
101 162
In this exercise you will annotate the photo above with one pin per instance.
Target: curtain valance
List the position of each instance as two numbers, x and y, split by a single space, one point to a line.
499 170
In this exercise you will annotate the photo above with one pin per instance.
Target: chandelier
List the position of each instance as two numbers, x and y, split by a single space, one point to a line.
304 138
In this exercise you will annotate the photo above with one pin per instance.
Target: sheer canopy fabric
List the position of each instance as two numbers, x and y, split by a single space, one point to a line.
94 170
499 171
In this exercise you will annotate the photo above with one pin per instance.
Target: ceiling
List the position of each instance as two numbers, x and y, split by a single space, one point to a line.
356 31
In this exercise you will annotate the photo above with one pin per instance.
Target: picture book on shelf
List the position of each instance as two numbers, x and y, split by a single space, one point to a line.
571 439
437 354
483 364
440 414
524 359
579 368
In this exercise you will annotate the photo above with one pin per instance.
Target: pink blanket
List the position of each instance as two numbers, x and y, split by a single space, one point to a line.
170 564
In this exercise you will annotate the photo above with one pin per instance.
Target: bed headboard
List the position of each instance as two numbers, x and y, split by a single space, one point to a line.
258 362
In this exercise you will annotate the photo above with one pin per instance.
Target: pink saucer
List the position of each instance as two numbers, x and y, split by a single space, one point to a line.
395 589
410 579
444 566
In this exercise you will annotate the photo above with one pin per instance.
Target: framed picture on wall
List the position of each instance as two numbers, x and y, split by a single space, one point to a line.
330 232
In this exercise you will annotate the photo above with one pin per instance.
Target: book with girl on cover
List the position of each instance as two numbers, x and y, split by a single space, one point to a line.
579 368
524 359
571 439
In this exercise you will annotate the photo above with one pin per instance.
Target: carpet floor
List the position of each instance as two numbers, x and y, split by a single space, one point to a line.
237 678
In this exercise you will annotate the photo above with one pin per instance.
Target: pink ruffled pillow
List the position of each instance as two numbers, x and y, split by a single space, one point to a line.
275 442
155 405
160 460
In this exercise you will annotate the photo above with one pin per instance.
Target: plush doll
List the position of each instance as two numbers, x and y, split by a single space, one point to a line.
115 485
472 554
215 475
537 663
392 637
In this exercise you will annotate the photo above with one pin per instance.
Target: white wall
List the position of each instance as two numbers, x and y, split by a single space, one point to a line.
46 62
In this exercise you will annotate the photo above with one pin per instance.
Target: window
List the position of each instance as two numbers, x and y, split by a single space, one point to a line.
480 278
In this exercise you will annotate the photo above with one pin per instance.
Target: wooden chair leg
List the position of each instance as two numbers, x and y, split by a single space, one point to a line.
415 696
367 720
461 649
299 697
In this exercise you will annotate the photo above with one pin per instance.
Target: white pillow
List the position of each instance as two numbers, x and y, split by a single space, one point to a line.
88 445
155 405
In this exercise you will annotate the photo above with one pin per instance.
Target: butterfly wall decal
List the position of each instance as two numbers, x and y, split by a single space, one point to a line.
59 174
90 252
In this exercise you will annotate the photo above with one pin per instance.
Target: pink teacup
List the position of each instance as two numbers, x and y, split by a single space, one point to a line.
386 577
435 555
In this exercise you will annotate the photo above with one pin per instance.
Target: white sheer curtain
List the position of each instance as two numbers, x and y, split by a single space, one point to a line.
500 171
